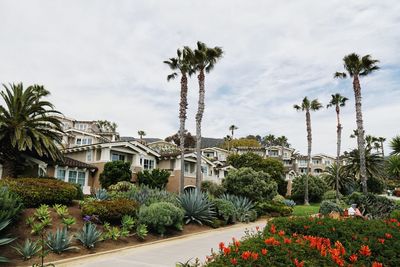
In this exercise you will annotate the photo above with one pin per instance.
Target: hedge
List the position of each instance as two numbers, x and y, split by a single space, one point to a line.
110 210
36 191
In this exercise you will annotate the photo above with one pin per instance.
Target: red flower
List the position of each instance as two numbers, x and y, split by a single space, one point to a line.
353 258
234 261
377 264
254 256
381 240
272 229
281 233
365 251
294 234
297 263
388 236
306 227
272 241
221 245
227 251
246 255
287 240
264 251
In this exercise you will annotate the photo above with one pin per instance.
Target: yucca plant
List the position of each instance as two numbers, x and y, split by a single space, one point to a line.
28 249
243 206
10 204
197 207
60 241
89 235
100 194
5 240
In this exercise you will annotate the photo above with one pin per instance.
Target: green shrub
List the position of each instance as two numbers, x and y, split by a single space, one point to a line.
316 188
160 216
273 209
328 206
10 204
79 192
251 184
375 206
155 178
197 207
212 188
395 215
89 235
375 185
243 207
279 199
110 210
122 186
145 195
225 210
36 191
114 172
331 195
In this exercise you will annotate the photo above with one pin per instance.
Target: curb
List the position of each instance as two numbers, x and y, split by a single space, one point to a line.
69 260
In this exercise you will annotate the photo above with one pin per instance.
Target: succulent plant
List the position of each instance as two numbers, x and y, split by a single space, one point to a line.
197 207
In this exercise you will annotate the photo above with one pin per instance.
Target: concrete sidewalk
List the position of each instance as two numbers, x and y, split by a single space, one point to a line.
167 253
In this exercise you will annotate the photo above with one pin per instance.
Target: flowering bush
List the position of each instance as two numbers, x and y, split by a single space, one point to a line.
304 242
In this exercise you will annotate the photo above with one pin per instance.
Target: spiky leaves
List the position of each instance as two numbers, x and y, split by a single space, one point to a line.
89 235
395 145
197 207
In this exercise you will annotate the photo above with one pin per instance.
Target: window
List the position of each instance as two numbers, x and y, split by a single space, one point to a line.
61 174
116 157
189 167
78 141
83 141
81 126
148 164
72 176
81 178
316 161
77 177
204 169
89 155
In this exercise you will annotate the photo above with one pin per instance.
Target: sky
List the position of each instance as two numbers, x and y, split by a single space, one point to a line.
104 60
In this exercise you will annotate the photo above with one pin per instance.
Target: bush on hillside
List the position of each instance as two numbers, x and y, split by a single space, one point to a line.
246 182
316 188
114 172
331 195
274 209
375 185
225 210
212 188
10 204
110 210
36 191
374 205
279 199
155 178
328 206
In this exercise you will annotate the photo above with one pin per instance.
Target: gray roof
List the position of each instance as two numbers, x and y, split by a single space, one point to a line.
147 140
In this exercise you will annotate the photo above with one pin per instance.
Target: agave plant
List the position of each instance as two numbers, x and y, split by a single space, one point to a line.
100 194
60 241
89 235
4 240
243 206
28 249
197 207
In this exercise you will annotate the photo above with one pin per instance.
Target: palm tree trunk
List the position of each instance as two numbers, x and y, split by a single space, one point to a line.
383 152
339 141
9 158
360 133
199 117
182 118
309 141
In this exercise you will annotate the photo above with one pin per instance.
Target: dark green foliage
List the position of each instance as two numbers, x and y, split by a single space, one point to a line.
251 184
36 191
89 235
4 240
79 192
393 167
331 195
110 210
114 172
243 207
161 216
328 207
10 204
145 195
375 185
375 206
395 214
60 241
100 194
273 209
212 188
271 166
316 188
197 207
225 210
155 178
122 186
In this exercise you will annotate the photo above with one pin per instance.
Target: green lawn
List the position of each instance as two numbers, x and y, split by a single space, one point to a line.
302 210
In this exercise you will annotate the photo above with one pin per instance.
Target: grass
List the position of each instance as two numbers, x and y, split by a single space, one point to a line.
303 210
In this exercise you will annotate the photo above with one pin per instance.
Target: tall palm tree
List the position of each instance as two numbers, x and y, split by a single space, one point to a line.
28 125
381 140
141 133
357 67
338 101
203 61
337 178
393 166
269 140
282 141
307 106
182 64
232 128
395 145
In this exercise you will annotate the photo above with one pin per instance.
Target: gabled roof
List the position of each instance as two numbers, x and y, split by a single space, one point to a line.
217 149
147 140
70 162
83 132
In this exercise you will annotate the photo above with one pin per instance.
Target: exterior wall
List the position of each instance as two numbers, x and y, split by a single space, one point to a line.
173 181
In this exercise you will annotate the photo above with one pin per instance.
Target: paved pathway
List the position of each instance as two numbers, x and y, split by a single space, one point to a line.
168 253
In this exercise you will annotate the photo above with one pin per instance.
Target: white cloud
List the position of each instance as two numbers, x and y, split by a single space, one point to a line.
103 60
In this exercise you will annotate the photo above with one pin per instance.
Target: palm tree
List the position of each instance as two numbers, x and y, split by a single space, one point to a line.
283 142
337 178
338 101
269 140
357 67
395 145
381 140
181 64
374 163
141 133
307 106
28 125
232 128
393 166
203 61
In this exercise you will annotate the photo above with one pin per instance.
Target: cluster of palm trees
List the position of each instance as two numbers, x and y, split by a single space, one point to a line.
189 62
355 67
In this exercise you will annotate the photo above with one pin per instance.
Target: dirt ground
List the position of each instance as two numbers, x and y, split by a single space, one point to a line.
22 231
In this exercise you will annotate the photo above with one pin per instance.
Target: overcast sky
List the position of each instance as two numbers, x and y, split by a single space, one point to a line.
103 60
